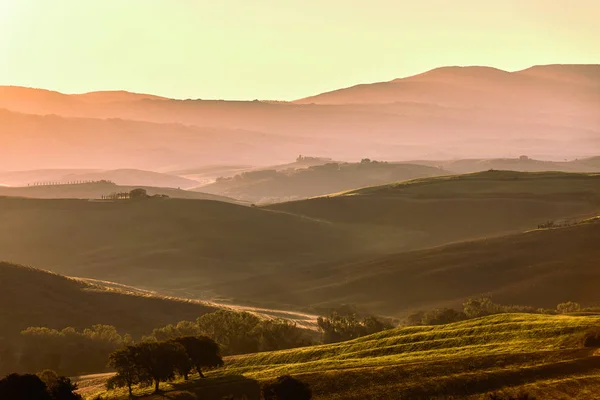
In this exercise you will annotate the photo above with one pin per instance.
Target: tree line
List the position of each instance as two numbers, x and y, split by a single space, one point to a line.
476 307
341 327
75 352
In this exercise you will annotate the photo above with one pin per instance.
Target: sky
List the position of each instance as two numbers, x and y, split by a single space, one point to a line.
278 49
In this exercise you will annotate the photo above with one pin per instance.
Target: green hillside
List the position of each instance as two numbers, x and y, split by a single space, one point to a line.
272 185
33 297
540 268
543 355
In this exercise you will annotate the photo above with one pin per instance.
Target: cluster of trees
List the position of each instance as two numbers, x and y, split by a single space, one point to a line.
482 306
47 385
135 194
238 332
68 351
339 327
75 352
150 363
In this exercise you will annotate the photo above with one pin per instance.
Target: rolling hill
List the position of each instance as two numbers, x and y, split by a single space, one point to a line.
271 185
164 243
433 211
539 268
95 190
549 85
119 176
209 249
41 298
508 353
522 164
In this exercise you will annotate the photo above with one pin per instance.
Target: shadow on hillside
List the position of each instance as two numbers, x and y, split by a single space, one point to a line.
230 387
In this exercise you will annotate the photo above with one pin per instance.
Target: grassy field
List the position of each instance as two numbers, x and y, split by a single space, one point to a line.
508 352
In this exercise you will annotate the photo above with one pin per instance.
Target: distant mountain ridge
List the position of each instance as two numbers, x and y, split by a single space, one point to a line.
547 112
451 86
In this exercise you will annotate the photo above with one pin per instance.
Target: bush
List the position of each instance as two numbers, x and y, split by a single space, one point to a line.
480 307
441 316
339 328
592 339
287 388
568 307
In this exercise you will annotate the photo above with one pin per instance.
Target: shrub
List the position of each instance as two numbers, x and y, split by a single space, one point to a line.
592 338
339 328
287 388
568 307
441 316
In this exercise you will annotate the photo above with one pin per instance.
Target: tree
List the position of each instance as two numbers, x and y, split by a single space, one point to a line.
59 387
125 363
138 194
234 331
201 351
338 328
441 316
287 388
480 307
568 307
158 362
23 387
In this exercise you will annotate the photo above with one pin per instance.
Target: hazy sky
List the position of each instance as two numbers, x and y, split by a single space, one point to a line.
278 49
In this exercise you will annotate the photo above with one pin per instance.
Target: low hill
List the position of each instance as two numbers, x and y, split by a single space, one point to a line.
203 249
522 164
539 268
271 185
118 176
548 85
33 297
506 353
165 243
445 209
95 190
